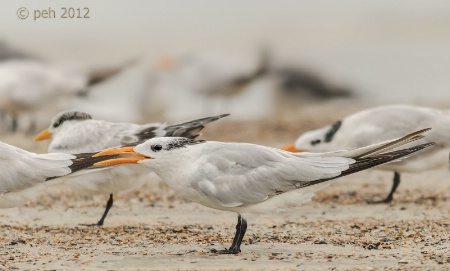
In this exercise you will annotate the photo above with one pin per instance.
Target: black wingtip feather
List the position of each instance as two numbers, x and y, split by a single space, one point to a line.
192 128
85 161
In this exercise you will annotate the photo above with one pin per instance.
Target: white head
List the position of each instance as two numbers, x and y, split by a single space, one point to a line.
151 153
319 140
59 121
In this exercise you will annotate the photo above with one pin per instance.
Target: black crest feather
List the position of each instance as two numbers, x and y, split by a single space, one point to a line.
70 115
333 130
178 143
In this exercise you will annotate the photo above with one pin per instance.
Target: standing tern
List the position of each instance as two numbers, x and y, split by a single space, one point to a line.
23 174
381 123
76 132
249 178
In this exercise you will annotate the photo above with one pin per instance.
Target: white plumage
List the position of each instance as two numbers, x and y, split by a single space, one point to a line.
243 178
381 123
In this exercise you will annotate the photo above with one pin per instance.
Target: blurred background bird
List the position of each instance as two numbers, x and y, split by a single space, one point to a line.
34 88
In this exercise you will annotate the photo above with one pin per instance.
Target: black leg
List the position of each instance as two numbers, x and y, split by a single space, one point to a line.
241 228
236 235
390 197
108 206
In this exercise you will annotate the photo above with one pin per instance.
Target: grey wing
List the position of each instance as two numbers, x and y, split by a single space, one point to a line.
142 133
244 174
189 129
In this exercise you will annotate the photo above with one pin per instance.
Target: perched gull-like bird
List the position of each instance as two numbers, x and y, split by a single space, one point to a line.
76 132
246 178
23 174
381 123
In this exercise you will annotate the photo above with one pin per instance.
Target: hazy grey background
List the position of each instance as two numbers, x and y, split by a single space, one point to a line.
393 50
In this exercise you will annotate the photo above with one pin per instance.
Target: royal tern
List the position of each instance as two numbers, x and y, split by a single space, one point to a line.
76 132
249 178
381 123
23 174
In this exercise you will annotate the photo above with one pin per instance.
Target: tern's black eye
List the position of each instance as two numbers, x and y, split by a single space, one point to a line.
156 147
56 125
315 142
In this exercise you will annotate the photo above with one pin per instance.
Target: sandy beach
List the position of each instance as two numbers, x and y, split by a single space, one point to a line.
152 228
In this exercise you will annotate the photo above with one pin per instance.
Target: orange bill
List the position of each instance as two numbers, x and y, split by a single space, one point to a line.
291 148
43 135
136 157
119 150
120 161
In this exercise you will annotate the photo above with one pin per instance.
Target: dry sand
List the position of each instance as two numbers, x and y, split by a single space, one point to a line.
154 229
